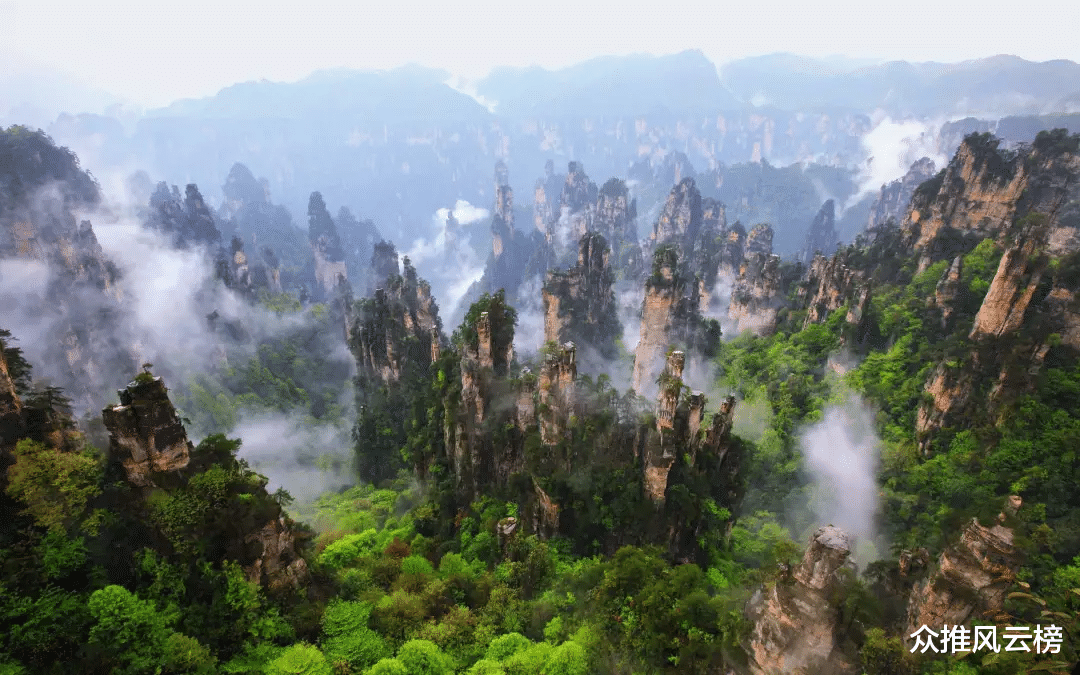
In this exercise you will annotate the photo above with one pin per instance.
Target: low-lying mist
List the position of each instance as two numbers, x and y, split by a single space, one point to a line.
841 453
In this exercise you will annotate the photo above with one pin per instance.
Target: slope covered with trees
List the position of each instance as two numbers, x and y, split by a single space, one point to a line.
512 515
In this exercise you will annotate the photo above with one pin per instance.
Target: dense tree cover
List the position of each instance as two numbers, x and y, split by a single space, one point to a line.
300 370
409 579
29 159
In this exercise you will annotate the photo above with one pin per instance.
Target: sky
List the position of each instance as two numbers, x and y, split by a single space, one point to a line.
152 53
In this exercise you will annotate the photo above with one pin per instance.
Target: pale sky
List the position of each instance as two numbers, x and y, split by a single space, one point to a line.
155 52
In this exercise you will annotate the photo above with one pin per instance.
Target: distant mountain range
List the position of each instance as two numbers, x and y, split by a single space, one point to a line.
397 145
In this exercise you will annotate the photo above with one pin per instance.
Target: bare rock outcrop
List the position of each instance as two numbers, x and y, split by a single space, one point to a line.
325 245
985 190
147 437
679 420
892 201
831 284
822 236
794 621
1018 275
146 433
556 392
755 298
670 315
577 203
948 290
971 578
733 241
759 240
616 213
12 425
396 329
579 305
681 216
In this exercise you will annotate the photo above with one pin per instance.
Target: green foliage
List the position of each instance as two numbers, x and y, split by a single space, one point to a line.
300 659
505 646
423 657
347 550
528 661
183 654
60 556
55 485
502 318
43 629
347 637
130 634
569 658
388 667
759 542
418 565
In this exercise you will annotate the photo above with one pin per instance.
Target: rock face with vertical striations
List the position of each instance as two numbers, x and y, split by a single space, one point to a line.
556 392
891 204
579 305
948 290
831 284
680 219
794 621
149 441
822 236
146 434
1028 202
485 362
670 315
12 424
1010 293
970 579
985 190
615 214
396 329
325 246
755 296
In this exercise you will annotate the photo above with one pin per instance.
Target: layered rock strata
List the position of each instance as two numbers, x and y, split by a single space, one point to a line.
794 620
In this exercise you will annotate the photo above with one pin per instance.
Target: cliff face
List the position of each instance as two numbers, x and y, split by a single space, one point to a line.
794 621
948 290
759 240
970 579
1018 275
546 195
831 284
822 236
755 297
984 190
891 204
755 293
670 315
42 189
325 246
680 219
579 305
502 223
1027 201
615 214
577 204
733 243
397 329
147 438
555 394
12 420
477 460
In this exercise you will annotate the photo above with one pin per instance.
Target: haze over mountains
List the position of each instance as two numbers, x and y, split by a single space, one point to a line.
368 139
561 365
